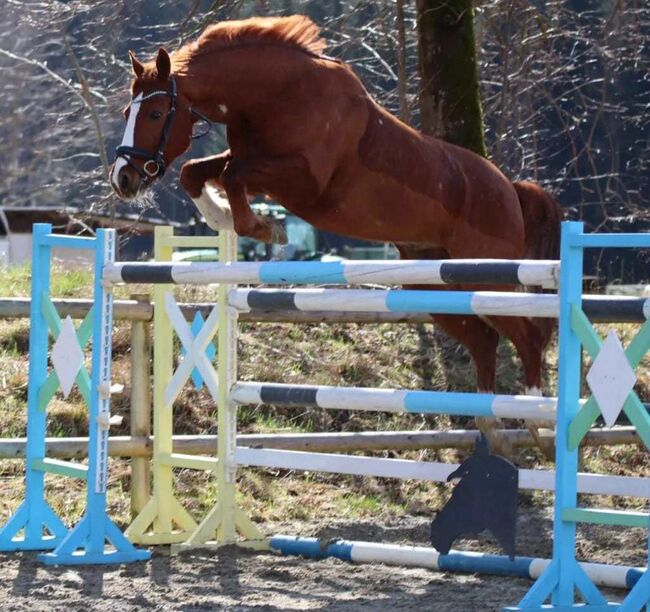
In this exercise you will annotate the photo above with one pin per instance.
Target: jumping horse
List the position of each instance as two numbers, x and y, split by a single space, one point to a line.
303 130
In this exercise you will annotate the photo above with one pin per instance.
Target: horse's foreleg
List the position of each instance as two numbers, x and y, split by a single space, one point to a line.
286 178
240 178
200 179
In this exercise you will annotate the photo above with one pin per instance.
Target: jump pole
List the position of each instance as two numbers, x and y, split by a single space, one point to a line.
613 576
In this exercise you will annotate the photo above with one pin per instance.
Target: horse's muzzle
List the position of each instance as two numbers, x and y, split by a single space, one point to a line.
126 182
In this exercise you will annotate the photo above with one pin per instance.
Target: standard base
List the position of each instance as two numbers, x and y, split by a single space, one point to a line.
85 558
34 518
95 543
146 527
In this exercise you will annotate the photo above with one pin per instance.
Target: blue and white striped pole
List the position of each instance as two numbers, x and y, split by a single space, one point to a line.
396 400
481 303
456 561
400 272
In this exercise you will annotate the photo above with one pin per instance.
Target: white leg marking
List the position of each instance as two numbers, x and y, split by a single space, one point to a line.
127 139
215 208
534 391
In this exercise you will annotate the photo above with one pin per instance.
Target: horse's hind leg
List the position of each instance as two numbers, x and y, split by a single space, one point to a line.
481 341
530 338
477 337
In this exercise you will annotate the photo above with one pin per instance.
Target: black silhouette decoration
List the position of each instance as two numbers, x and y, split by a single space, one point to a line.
485 498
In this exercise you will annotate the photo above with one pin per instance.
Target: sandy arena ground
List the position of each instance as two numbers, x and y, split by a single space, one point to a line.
234 579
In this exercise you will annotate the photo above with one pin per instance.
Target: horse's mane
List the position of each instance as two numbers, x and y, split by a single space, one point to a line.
295 31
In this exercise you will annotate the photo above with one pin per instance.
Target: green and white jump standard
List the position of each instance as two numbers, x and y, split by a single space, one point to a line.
35 526
611 382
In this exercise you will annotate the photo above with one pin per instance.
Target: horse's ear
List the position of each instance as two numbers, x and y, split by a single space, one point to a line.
163 64
138 68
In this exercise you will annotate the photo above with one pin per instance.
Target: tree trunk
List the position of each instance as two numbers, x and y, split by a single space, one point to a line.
404 113
450 104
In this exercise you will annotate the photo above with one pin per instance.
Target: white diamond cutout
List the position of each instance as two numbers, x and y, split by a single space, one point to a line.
611 378
67 356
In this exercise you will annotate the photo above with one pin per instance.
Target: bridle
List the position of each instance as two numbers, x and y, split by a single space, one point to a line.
155 163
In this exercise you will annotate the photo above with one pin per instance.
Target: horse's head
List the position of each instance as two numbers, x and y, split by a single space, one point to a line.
158 127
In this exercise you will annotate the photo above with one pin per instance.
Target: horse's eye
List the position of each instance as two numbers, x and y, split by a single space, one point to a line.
155 115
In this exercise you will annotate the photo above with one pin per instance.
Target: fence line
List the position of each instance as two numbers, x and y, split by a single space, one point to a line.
140 446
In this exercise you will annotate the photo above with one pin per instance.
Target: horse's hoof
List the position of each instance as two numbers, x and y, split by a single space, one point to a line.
278 234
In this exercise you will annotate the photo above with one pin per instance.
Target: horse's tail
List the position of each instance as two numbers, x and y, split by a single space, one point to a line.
542 218
542 226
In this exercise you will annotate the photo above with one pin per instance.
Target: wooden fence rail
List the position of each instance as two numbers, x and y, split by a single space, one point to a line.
141 446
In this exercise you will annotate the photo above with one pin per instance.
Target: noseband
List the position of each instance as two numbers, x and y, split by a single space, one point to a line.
155 163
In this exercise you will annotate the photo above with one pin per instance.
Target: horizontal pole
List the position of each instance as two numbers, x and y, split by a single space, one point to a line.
188 461
399 272
131 310
68 242
399 300
615 576
396 400
406 469
125 310
62 468
482 303
612 241
128 446
597 516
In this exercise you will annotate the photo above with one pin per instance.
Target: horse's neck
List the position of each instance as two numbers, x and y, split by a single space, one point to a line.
238 79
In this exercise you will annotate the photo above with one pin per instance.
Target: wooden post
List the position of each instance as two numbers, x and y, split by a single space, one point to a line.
140 408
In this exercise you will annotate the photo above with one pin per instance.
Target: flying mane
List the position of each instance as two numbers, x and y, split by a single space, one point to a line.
296 31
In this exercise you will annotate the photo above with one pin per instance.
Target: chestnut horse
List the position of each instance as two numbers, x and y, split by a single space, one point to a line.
303 130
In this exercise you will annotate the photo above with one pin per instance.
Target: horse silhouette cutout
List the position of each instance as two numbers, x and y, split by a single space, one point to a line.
485 498
303 130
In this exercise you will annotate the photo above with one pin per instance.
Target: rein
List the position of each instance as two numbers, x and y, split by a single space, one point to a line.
155 163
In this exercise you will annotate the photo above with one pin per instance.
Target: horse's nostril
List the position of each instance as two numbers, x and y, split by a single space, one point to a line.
124 182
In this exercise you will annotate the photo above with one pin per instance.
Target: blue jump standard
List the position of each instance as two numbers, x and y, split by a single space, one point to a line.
35 526
85 545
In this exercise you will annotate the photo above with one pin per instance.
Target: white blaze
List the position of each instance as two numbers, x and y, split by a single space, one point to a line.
127 139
